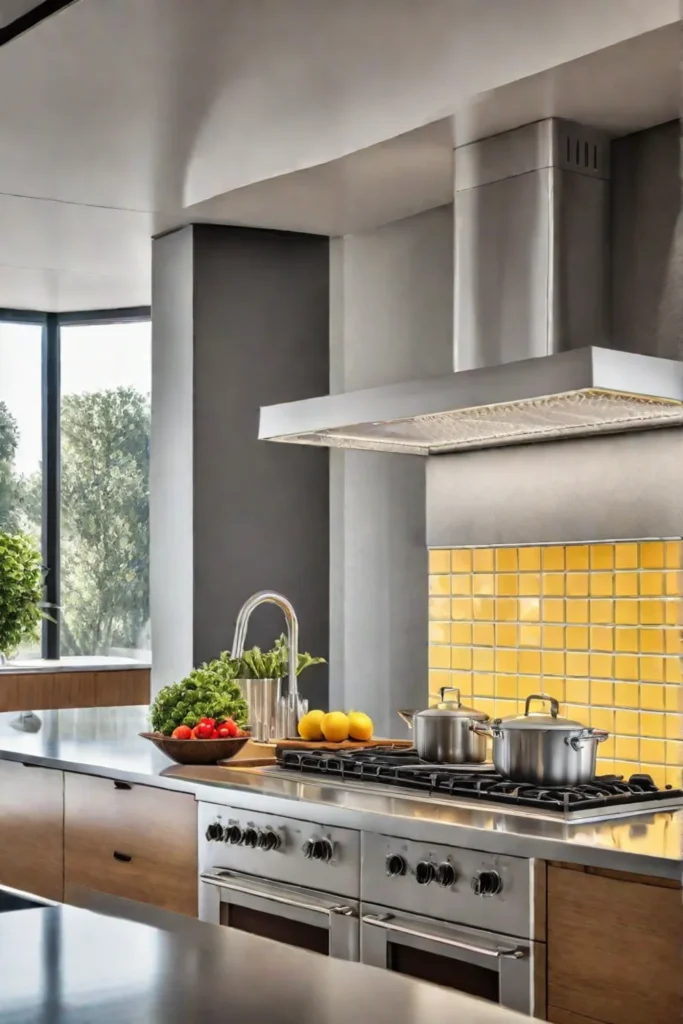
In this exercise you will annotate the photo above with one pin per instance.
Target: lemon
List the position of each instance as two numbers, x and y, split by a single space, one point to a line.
335 726
309 725
360 726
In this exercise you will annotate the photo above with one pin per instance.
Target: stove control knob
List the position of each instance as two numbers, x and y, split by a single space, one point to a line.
214 832
319 849
487 883
250 838
446 875
395 865
424 872
233 834
268 840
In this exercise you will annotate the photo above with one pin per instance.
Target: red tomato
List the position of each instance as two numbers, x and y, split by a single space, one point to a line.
203 731
183 732
224 732
208 721
230 726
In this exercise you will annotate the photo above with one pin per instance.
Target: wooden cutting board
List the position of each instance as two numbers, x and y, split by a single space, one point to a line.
343 745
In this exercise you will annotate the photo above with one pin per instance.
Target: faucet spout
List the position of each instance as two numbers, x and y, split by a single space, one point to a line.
270 597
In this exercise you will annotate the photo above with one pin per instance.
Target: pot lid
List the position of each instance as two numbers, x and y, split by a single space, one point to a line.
452 708
539 719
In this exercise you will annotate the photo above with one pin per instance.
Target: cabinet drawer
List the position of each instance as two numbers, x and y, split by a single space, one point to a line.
137 842
31 829
566 1017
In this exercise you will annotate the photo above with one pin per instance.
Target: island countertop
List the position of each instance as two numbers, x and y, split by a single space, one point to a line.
105 742
71 966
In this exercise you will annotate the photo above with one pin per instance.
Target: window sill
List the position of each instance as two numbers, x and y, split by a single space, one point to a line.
71 664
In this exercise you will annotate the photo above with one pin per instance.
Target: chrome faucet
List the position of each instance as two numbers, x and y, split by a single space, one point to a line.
270 597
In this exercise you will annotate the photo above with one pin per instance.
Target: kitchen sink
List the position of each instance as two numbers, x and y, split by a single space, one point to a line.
18 901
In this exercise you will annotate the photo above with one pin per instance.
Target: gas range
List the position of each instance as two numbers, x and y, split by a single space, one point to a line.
607 796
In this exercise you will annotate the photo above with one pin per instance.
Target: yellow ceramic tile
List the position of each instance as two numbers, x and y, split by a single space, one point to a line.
529 636
439 585
601 584
652 554
606 748
552 663
553 609
602 610
651 584
577 691
482 659
602 556
672 670
674 752
505 708
576 664
529 662
506 584
530 584
626 666
673 698
577 638
483 684
626 723
554 688
651 640
672 582
626 612
461 560
506 560
529 609
461 657
602 638
482 634
652 724
673 641
625 639
529 559
577 611
577 584
657 771
439 633
463 681
552 559
483 584
461 633
552 584
626 556
652 696
627 748
673 726
506 635
674 777
601 666
482 559
506 661
487 705
602 692
652 668
461 585
672 554
440 562
577 557
651 612
626 584
625 768
626 695
437 679
553 637
439 657
506 687
672 613
461 609
506 609
439 609
602 718
482 608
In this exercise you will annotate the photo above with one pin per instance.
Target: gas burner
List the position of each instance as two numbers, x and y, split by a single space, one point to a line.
606 795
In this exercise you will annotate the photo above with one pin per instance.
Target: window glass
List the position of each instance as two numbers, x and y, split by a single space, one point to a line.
104 531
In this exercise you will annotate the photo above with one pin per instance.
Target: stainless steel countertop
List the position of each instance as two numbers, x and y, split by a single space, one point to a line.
70 966
78 663
104 741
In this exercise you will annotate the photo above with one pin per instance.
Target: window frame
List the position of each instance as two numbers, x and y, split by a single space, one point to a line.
51 402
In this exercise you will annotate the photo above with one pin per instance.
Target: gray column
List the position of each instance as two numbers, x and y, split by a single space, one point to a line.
240 319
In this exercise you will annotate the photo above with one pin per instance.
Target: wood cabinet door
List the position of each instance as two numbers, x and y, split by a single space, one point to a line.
32 829
615 949
556 1016
132 841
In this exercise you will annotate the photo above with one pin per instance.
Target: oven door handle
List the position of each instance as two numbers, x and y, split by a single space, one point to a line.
386 921
272 892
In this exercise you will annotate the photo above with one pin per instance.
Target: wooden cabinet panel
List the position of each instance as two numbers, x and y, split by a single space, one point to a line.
137 842
615 949
566 1017
32 829
41 691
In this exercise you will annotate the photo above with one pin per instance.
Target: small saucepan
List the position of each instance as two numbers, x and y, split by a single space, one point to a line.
445 734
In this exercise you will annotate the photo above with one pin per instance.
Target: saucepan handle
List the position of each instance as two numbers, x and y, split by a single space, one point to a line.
575 742
407 716
481 730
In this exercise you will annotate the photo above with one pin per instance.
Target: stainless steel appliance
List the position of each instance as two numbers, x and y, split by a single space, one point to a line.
447 733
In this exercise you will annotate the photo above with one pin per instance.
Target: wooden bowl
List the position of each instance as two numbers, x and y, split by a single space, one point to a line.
196 751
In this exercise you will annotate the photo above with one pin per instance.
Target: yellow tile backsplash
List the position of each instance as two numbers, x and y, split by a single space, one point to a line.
598 626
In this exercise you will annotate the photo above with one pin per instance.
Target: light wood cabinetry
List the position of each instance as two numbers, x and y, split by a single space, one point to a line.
28 691
32 829
615 949
131 841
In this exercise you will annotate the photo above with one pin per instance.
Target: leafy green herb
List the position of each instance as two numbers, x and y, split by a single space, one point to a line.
209 691
305 660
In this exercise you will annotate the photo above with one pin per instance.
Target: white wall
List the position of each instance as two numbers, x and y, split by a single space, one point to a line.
391 309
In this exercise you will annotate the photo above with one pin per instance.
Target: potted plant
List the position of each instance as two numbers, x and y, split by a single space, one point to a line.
21 592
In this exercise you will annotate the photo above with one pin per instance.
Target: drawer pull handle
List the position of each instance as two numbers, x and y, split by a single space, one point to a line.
125 857
121 785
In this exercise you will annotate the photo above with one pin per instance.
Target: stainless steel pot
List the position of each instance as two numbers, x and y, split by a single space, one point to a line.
445 734
545 750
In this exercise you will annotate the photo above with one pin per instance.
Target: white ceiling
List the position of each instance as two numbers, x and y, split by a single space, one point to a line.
121 120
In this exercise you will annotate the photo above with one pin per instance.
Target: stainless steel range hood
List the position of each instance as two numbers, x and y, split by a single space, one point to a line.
532 357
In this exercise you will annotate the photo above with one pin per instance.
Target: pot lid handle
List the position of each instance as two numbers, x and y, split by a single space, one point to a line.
450 689
554 705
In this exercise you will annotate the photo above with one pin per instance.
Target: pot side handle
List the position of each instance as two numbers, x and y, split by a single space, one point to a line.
599 735
407 715
481 730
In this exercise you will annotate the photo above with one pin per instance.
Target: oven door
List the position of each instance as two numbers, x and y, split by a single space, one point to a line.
288 913
503 970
